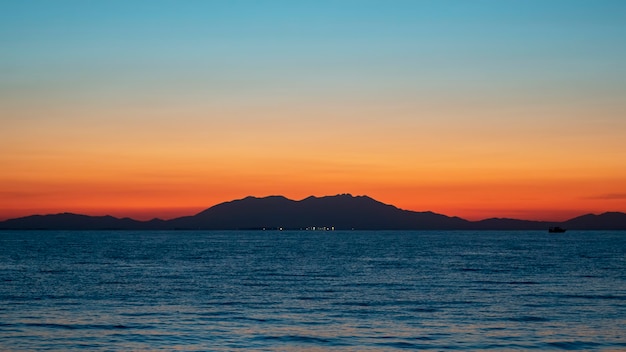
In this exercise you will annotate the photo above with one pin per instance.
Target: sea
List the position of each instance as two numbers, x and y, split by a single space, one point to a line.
312 290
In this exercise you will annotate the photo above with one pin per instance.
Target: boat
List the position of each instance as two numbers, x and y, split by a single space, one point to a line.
556 229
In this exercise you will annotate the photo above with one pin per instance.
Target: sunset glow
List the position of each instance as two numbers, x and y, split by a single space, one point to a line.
163 108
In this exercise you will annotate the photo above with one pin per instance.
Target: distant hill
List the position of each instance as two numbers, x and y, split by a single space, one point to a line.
605 221
343 212
340 212
510 224
69 221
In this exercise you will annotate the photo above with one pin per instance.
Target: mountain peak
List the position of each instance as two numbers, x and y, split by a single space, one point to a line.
258 198
341 211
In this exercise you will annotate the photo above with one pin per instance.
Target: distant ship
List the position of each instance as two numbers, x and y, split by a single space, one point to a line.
556 229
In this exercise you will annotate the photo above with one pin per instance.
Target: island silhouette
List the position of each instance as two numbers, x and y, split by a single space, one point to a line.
338 212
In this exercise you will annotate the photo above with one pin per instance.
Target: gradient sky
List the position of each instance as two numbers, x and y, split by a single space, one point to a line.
163 108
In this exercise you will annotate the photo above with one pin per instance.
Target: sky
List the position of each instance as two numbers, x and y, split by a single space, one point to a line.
477 109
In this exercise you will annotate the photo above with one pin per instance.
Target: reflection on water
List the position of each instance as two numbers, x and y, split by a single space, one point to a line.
288 291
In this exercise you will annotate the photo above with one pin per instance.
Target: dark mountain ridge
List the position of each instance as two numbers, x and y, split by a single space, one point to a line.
604 221
343 212
70 221
340 212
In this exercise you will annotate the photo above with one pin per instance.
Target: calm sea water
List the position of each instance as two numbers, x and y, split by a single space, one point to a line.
316 291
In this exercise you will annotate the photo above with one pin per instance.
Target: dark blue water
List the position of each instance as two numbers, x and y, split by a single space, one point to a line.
316 291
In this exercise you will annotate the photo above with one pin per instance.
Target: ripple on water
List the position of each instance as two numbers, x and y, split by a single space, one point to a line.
293 291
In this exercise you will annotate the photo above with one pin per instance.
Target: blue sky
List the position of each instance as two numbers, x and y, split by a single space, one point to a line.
462 107
399 45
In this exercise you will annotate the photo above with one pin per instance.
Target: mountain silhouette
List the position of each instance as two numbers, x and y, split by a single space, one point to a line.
510 224
69 221
343 212
339 212
604 221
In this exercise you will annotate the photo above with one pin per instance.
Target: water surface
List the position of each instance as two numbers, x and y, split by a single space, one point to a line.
317 291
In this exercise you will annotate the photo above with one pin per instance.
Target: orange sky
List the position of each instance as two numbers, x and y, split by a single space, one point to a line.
145 166
463 110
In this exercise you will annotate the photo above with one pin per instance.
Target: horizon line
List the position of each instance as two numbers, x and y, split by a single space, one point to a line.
92 214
